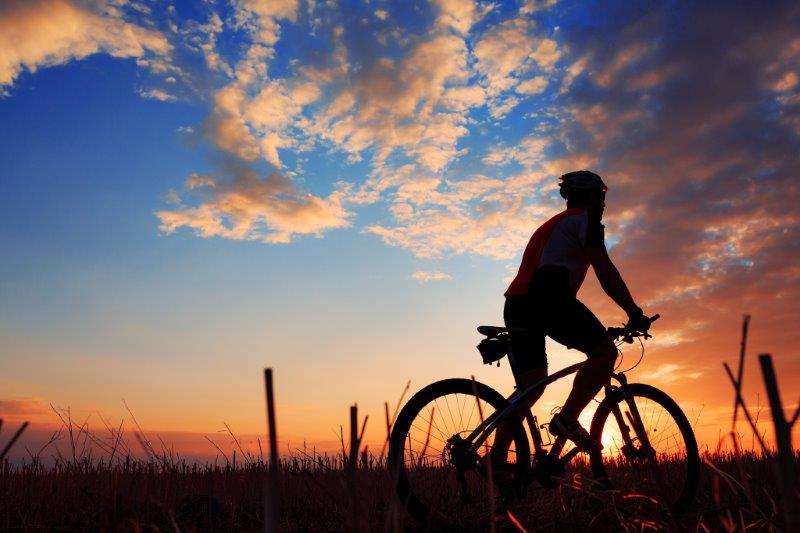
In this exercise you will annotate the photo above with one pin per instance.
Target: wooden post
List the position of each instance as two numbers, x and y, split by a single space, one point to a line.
786 465
352 464
740 372
272 493
353 434
13 439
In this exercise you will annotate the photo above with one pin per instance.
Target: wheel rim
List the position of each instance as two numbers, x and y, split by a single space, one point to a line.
450 481
654 470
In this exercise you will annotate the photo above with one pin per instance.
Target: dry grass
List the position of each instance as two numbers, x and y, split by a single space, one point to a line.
168 494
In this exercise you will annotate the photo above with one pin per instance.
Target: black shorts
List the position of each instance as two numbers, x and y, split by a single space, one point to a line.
549 309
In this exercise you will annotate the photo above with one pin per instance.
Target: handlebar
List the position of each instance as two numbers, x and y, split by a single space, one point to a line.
627 334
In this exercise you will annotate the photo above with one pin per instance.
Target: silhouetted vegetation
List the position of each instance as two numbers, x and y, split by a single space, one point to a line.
169 493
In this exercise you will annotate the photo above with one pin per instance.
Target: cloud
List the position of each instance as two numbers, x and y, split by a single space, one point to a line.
203 36
434 218
260 18
425 276
457 14
532 6
393 105
509 50
36 34
22 408
528 152
199 180
501 107
534 85
227 126
669 372
270 209
406 113
157 94
622 60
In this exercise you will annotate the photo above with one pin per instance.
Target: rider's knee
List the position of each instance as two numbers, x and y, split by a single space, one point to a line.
605 351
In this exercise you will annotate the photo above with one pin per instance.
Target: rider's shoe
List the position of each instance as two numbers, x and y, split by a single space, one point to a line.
572 430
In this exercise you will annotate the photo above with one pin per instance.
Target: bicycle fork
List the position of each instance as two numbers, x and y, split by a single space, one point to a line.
633 416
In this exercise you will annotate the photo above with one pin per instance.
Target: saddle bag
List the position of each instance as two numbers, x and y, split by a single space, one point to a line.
492 350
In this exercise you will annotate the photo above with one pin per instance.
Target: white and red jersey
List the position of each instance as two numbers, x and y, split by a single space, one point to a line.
561 241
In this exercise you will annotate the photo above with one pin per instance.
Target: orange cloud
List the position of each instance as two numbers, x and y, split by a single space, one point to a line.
35 34
510 49
271 209
457 14
22 408
261 18
422 275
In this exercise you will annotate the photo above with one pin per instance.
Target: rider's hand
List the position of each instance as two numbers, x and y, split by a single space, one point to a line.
637 321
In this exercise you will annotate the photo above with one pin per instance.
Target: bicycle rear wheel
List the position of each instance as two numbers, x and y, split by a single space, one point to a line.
439 482
657 459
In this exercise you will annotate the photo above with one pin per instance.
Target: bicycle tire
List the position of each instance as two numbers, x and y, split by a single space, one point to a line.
680 489
439 514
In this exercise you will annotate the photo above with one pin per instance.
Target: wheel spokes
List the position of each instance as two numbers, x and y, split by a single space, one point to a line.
442 471
645 451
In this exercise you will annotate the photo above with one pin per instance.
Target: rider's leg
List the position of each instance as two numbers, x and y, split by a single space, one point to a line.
590 379
503 437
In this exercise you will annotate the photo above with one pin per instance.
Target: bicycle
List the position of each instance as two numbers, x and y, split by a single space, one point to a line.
444 432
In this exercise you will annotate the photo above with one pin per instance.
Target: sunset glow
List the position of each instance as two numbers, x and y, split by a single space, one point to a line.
342 191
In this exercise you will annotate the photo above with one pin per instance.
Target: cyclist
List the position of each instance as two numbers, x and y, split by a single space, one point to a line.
541 301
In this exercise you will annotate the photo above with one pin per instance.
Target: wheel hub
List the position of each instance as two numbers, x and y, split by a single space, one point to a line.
458 453
638 454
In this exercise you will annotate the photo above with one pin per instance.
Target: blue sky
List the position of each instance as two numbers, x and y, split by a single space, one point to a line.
342 190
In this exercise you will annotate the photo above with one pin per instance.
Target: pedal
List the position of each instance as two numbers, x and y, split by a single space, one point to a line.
543 431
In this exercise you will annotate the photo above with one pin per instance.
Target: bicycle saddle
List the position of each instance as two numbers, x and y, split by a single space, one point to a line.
491 331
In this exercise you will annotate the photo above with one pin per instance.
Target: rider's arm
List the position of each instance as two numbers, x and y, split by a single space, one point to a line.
610 279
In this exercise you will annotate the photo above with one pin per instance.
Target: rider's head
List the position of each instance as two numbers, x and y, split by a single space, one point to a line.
583 189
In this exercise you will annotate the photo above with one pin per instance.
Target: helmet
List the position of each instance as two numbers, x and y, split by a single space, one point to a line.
581 181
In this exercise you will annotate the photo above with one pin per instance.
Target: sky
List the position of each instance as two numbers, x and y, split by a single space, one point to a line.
342 190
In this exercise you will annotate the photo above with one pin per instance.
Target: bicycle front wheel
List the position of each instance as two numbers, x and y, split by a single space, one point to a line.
439 480
649 447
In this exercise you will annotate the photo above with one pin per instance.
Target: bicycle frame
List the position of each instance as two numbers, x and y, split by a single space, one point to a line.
481 433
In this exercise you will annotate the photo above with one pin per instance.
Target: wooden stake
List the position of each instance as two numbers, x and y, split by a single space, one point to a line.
352 464
353 433
740 401
739 374
786 467
13 440
388 428
271 494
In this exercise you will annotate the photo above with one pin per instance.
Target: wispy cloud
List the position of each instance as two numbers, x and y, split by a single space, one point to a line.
435 275
669 372
157 94
270 209
19 408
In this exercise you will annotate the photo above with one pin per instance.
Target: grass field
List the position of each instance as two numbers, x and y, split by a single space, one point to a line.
319 493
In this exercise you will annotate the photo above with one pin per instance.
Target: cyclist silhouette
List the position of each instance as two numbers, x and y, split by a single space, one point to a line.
541 301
